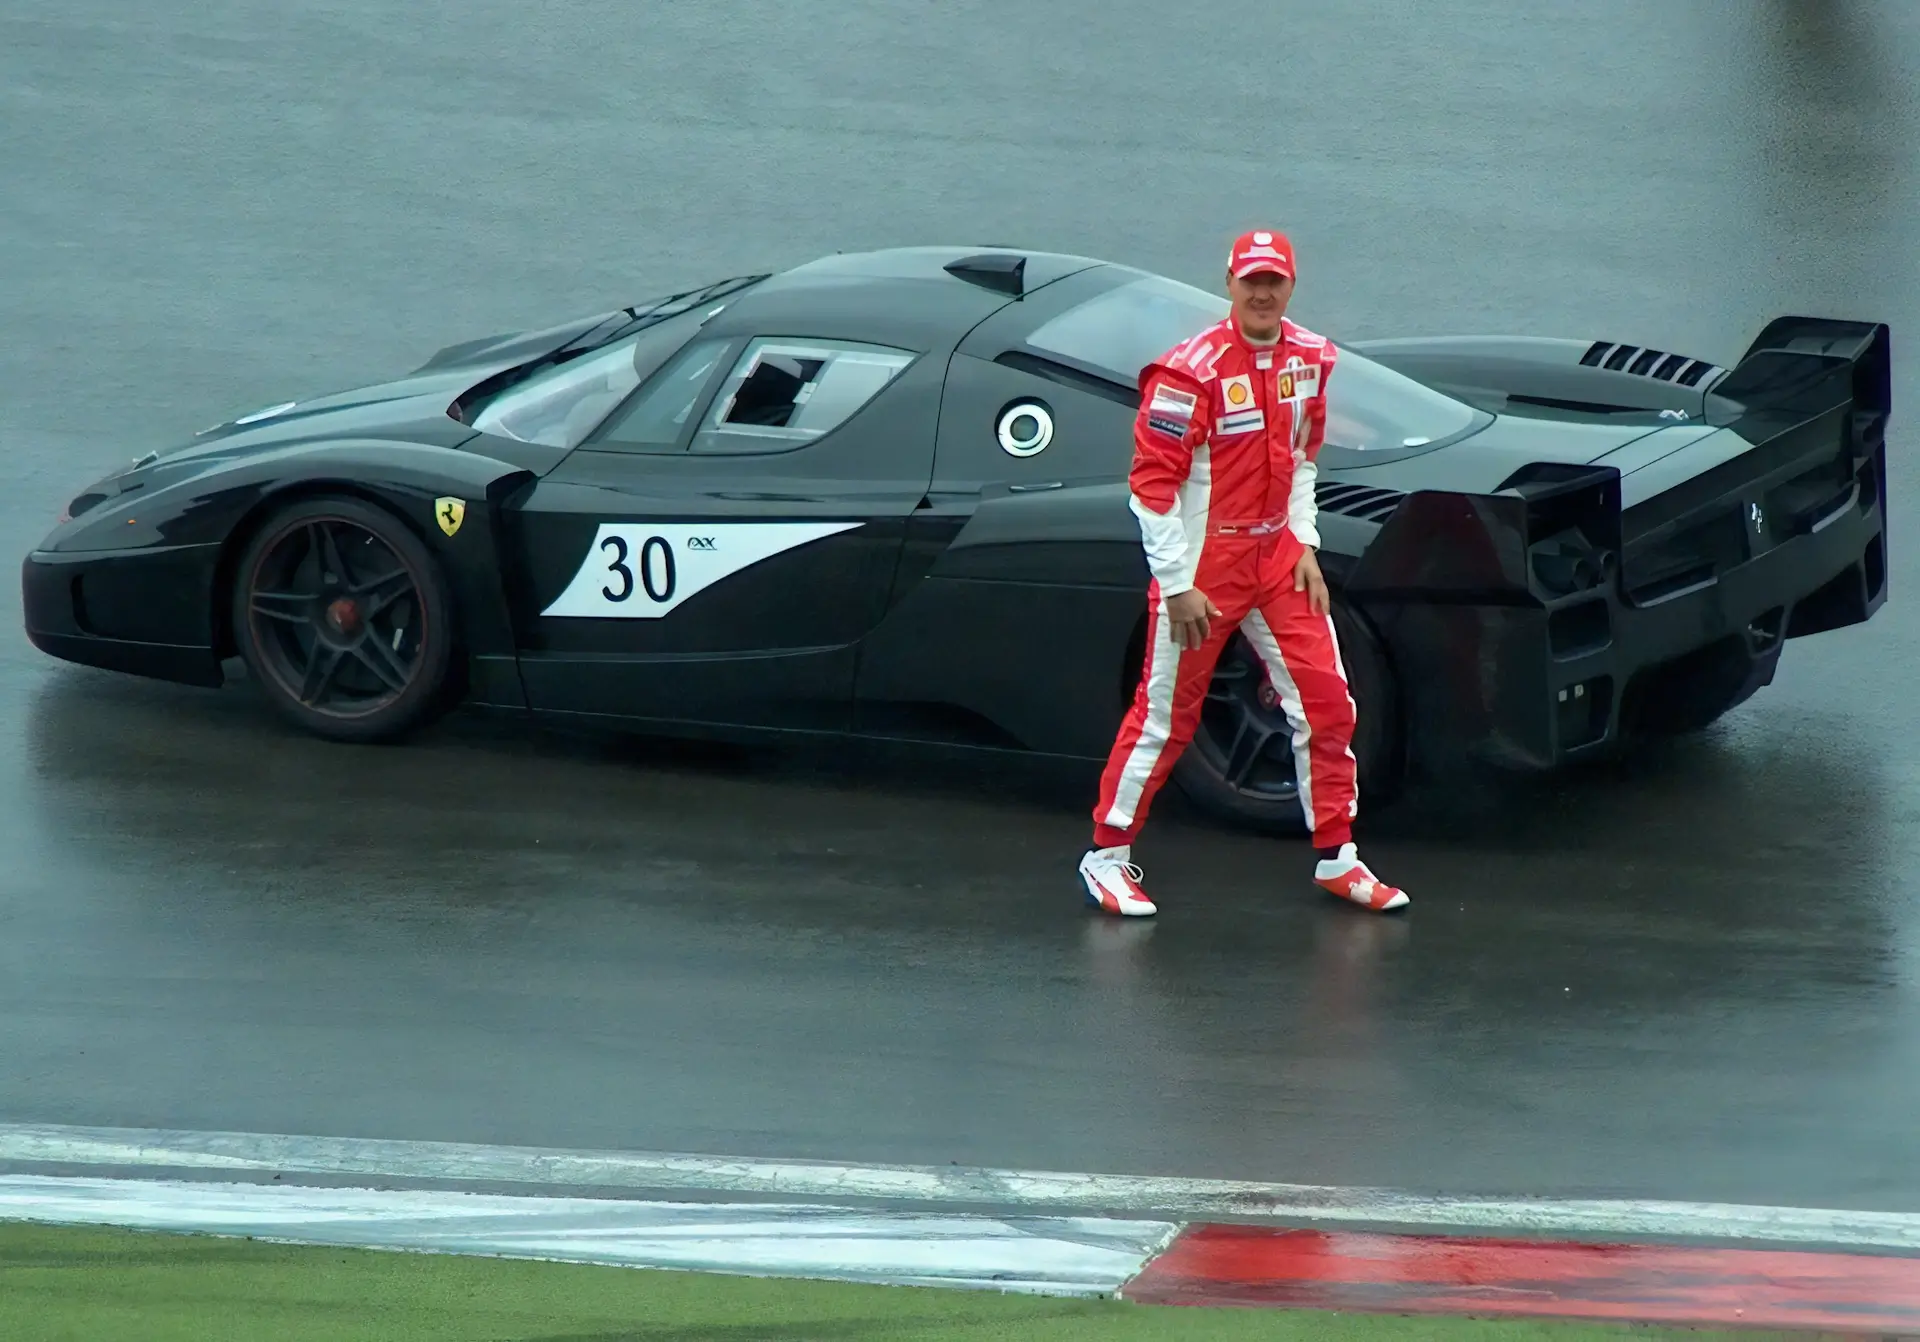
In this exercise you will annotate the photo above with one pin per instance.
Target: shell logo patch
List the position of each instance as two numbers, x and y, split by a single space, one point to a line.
1238 391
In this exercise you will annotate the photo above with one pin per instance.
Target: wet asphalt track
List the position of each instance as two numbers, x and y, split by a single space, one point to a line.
1692 977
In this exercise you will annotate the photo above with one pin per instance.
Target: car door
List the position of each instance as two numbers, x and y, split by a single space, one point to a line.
717 548
1022 582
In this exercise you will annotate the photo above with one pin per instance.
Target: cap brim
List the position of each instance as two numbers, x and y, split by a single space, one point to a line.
1262 267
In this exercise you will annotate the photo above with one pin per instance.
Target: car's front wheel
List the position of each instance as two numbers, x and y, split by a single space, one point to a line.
1240 765
344 617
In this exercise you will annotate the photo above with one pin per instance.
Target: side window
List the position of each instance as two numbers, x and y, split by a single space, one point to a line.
782 394
1121 331
653 420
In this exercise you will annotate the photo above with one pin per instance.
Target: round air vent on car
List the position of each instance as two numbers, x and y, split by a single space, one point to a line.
1025 429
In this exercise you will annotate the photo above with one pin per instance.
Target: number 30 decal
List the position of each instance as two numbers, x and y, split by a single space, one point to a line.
619 565
641 571
652 545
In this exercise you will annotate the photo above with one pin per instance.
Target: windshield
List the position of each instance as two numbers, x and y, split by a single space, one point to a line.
561 406
1370 408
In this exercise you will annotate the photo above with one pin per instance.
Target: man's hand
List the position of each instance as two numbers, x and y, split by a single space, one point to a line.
1306 578
1191 615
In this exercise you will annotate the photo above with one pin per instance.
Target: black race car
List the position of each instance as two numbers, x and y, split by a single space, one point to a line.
885 494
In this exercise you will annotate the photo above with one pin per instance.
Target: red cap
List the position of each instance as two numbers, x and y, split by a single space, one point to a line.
1258 251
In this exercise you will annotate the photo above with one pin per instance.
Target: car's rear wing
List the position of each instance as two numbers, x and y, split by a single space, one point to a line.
1800 368
1793 350
1807 389
1504 610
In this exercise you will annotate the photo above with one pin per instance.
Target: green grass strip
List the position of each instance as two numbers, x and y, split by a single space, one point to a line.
59 1283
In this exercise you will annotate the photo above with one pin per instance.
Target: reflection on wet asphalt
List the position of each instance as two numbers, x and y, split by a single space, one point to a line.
1692 975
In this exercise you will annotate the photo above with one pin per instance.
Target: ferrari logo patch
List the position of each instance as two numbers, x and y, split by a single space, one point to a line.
449 513
1238 390
1299 380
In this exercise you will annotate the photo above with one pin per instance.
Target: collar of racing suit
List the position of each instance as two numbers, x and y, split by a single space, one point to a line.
1239 333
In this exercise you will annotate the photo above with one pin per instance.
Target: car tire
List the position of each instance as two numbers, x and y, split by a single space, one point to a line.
1264 800
345 619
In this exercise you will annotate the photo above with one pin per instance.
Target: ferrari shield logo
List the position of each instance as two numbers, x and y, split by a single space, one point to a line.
449 513
1298 380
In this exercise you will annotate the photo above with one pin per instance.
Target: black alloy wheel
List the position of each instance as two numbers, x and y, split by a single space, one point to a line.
344 617
1240 765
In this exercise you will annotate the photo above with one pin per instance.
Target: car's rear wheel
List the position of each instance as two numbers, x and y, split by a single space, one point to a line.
344 617
1240 766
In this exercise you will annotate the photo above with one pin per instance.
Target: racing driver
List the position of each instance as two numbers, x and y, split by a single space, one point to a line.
1224 448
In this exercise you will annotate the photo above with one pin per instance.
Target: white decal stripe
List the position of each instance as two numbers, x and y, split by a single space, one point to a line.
1048 1255
1303 512
1260 635
1175 539
1200 477
1340 665
1162 1197
644 570
1165 538
1163 675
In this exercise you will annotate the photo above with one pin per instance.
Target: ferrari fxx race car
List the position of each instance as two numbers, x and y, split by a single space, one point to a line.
884 495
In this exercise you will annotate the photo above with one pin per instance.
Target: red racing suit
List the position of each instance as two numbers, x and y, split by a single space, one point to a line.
1224 451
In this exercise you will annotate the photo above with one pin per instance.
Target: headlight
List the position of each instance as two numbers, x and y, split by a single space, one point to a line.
104 488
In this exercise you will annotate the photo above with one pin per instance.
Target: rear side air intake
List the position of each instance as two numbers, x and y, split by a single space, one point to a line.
1644 362
1361 501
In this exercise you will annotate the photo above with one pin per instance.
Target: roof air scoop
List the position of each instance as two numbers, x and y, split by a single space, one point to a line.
998 271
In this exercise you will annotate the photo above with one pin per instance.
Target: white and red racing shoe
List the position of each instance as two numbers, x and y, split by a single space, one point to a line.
1113 883
1347 876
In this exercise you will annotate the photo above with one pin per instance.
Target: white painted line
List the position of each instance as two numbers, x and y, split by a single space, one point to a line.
1067 1256
1169 1198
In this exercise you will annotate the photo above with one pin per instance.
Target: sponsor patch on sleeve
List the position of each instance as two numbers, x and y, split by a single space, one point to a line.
1171 403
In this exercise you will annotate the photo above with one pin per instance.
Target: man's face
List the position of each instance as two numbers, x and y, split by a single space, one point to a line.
1260 301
